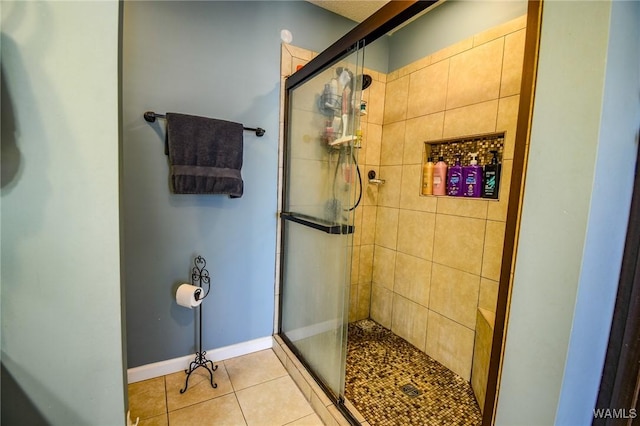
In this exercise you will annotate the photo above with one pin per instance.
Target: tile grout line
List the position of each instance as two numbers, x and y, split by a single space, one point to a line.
235 395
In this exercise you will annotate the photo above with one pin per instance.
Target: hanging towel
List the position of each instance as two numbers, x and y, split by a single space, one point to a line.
205 155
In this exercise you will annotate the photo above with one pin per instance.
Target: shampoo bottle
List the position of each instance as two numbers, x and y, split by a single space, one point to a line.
491 178
472 178
454 179
440 177
427 177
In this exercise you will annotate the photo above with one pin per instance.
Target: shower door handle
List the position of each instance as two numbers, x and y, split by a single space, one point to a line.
317 223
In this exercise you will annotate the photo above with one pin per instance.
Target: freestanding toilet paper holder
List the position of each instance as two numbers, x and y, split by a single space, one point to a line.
200 276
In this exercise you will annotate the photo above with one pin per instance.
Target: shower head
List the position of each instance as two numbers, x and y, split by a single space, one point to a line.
365 79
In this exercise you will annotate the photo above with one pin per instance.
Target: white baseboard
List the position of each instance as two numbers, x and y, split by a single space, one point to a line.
174 365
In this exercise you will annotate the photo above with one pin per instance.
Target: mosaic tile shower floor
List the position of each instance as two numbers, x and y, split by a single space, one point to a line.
379 364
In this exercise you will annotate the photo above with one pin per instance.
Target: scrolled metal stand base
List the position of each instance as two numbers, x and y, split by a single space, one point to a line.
200 361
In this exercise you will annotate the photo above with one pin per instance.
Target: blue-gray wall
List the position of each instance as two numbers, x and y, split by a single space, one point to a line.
222 60
448 24
608 214
61 343
575 212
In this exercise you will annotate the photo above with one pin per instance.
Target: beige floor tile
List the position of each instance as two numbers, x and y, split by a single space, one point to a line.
276 402
254 368
219 411
199 388
161 420
147 398
310 420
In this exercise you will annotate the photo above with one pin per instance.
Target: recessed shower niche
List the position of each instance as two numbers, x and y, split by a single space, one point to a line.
486 150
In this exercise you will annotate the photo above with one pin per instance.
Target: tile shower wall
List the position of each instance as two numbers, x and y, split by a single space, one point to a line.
422 266
437 259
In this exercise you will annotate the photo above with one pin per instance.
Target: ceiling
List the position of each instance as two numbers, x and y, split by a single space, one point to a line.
356 10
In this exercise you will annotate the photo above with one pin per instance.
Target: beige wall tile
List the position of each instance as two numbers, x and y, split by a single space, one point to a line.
474 76
392 148
299 52
460 206
459 242
481 358
353 302
428 90
418 130
381 305
409 321
471 120
416 233
392 76
413 278
450 343
369 190
285 61
507 122
375 106
368 231
498 209
373 142
500 30
357 222
387 227
488 294
512 65
384 264
454 49
366 263
417 65
410 190
395 100
389 193
492 258
364 300
454 294
295 61
355 265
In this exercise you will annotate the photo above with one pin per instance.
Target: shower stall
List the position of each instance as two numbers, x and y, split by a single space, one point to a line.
389 319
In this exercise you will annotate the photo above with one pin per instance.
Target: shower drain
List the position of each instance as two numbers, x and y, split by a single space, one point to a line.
410 390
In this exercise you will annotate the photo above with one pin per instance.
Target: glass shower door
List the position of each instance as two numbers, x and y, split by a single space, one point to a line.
317 217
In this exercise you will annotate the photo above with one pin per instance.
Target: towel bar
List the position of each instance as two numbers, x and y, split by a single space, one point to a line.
151 116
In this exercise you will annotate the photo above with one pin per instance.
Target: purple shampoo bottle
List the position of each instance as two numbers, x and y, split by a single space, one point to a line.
472 178
454 179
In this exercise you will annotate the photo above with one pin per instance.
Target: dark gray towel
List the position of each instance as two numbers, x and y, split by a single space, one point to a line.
205 155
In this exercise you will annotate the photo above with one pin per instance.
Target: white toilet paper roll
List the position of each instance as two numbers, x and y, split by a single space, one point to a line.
186 295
